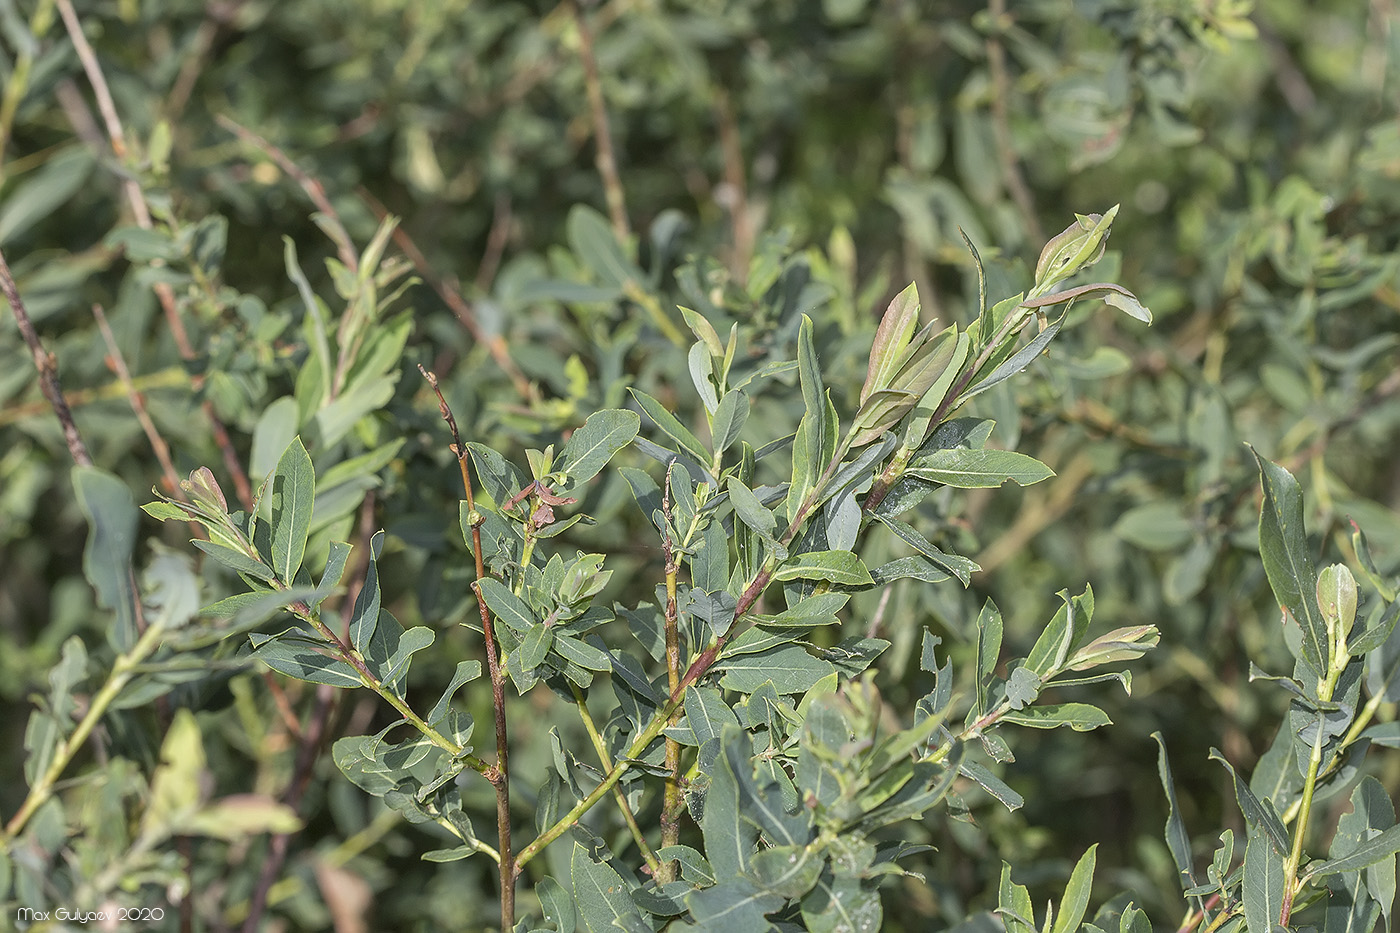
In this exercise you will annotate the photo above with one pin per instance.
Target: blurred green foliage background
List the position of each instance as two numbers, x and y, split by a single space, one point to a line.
774 157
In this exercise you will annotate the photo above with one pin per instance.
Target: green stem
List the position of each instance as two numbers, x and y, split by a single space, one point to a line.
1295 855
568 820
123 669
639 837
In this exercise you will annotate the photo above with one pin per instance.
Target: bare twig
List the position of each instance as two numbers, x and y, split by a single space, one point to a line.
499 776
344 246
138 406
140 210
736 181
496 240
311 740
451 296
602 134
218 16
47 366
1001 124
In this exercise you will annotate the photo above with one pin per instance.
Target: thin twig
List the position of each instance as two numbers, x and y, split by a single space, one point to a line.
47 366
672 802
310 740
602 134
499 776
1001 124
116 137
218 17
735 177
451 296
496 239
138 405
314 190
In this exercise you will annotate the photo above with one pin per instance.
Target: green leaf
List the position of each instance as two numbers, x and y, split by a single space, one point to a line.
393 671
809 372
293 493
707 714
602 898
557 904
1257 814
978 469
1283 547
175 786
534 647
842 568
592 240
365 617
49 726
1076 899
1381 846
751 511
582 653
1263 881
954 564
297 658
508 607
273 434
729 839
729 420
989 632
790 669
1178 840
590 447
734 905
840 904
896 328
466 671
788 871
1081 717
111 513
37 197
235 560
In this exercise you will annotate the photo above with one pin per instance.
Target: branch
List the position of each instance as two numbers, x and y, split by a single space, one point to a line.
602 135
47 366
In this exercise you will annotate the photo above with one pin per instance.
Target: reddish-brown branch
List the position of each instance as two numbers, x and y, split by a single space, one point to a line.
314 190
451 296
138 405
606 160
116 138
499 776
47 366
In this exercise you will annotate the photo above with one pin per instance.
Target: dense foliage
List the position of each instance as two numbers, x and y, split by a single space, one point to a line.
773 647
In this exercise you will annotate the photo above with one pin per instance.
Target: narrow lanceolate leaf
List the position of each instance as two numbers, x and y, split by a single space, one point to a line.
979 469
593 445
671 426
1017 362
809 370
730 416
293 493
1076 899
1283 547
1380 846
956 565
1178 840
896 328
366 614
1263 882
1081 717
839 567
